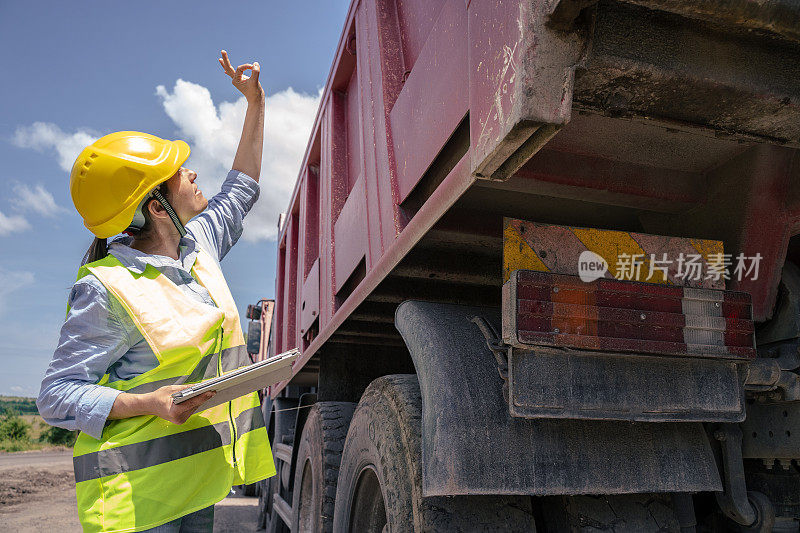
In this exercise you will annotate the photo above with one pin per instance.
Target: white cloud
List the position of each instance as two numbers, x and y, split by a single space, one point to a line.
45 136
11 281
12 223
37 199
213 133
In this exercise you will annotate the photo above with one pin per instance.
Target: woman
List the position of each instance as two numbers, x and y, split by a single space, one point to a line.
150 313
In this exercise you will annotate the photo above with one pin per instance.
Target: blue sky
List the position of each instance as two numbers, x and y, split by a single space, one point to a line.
73 71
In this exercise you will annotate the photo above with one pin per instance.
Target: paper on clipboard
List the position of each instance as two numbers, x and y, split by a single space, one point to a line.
241 381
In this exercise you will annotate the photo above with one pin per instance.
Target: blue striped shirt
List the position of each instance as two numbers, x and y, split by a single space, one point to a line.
99 337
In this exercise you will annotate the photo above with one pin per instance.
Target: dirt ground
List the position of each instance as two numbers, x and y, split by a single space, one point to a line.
37 493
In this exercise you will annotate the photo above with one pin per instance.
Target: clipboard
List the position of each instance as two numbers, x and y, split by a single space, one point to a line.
241 381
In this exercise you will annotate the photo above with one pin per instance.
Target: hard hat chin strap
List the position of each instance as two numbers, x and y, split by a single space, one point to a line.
171 212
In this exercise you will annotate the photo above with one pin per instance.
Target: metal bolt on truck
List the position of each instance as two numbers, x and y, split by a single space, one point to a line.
543 266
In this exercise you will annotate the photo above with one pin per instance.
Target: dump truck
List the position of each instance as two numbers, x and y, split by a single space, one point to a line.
542 264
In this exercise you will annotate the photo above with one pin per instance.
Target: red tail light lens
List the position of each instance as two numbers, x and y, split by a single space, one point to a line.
625 316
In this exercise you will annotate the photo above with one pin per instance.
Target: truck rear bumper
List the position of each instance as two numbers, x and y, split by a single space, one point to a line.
577 384
624 350
472 445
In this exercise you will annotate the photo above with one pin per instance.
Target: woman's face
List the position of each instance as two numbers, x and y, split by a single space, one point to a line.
186 199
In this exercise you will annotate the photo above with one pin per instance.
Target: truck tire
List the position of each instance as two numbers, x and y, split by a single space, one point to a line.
264 504
251 490
618 513
317 470
271 521
380 475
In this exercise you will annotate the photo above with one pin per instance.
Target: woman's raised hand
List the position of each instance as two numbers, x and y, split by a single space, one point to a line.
247 85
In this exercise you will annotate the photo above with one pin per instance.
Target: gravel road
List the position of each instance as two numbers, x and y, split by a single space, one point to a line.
36 458
37 493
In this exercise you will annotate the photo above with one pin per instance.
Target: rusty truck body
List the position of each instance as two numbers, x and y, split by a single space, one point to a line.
456 374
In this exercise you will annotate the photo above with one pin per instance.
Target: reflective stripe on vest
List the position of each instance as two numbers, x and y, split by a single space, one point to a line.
162 449
146 471
232 358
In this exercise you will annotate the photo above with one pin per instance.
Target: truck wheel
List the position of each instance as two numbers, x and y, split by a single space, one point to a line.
620 513
380 476
317 469
271 521
264 504
251 490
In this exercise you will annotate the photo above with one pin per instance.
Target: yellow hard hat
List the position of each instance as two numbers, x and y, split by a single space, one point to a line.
113 175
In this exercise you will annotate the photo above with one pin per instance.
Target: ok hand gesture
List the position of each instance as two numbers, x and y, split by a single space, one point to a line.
247 85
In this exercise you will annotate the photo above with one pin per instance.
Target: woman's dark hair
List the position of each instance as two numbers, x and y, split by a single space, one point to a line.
97 250
99 247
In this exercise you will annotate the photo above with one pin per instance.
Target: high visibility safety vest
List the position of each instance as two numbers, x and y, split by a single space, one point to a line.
145 471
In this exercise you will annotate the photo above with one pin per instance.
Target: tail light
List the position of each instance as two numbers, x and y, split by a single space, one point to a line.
546 309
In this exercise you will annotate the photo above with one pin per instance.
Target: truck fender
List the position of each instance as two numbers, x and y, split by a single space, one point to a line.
472 445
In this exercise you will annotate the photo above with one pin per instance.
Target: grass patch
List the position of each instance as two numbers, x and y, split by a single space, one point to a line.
22 445
30 432
37 425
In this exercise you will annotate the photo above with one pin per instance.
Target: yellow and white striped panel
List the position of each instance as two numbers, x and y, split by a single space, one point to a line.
625 255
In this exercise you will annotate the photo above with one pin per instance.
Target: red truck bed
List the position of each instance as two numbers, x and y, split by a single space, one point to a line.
440 117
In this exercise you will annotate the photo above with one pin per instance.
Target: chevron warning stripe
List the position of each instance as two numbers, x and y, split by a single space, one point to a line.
626 255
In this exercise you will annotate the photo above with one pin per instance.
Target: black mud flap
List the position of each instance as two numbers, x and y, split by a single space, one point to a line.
472 445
